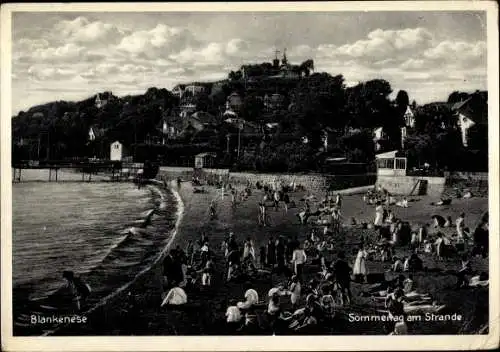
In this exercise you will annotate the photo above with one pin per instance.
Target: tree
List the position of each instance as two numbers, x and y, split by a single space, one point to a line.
402 99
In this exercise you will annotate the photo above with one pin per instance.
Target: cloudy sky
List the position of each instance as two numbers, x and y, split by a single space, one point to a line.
70 56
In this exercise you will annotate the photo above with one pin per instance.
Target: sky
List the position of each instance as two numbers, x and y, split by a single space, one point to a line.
71 56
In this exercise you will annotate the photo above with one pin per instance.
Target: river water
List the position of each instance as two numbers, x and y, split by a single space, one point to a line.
97 229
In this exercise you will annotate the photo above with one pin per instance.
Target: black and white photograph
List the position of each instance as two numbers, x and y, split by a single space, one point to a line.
259 172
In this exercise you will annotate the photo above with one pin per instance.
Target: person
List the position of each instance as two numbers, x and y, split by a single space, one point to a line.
276 199
400 328
422 233
448 222
414 243
415 263
328 303
335 220
465 270
439 245
213 209
248 251
299 258
205 254
342 273
280 253
397 265
78 290
394 303
206 279
408 284
286 201
274 310
175 297
233 316
359 269
295 291
390 217
271 253
262 214
439 221
251 298
460 224
379 213
338 201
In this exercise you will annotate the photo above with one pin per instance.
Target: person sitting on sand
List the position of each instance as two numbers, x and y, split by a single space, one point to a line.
467 194
400 328
445 201
403 203
390 217
397 265
439 221
251 298
408 284
175 297
233 316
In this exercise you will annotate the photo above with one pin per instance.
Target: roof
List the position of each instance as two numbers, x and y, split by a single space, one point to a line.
204 117
391 154
460 104
202 155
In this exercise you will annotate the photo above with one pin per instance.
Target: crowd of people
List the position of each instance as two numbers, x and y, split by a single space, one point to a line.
315 291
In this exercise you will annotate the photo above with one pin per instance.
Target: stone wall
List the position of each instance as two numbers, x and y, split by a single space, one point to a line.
311 182
403 185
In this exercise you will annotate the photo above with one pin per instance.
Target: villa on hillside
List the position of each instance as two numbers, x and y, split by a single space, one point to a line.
192 90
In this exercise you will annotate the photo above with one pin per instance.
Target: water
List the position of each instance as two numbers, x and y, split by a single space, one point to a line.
96 229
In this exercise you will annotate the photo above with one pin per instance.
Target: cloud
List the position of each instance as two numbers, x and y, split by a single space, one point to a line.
40 72
458 51
161 40
386 43
81 30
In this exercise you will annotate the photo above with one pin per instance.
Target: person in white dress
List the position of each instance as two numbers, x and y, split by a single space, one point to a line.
359 269
379 214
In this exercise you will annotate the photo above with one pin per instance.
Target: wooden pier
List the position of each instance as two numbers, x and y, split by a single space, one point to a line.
117 171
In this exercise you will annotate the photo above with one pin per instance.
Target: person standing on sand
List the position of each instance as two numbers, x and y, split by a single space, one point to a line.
271 253
342 273
359 269
280 253
460 223
78 290
299 258
379 214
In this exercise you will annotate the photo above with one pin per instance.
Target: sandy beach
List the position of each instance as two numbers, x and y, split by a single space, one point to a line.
136 311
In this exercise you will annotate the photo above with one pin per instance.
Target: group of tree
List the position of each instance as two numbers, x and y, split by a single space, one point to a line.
310 107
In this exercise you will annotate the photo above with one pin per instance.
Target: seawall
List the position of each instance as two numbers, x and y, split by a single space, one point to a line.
311 182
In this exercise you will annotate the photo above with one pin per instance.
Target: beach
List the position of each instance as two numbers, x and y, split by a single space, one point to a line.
136 310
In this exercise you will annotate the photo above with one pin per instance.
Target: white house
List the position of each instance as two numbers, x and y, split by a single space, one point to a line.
409 117
117 151
378 136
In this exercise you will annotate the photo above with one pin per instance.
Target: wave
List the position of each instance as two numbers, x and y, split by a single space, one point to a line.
130 234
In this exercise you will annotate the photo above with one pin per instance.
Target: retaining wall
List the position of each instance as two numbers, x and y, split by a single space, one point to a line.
311 182
403 185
